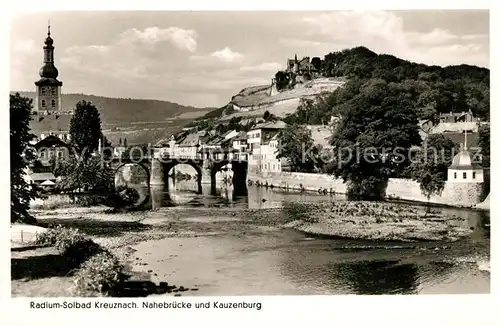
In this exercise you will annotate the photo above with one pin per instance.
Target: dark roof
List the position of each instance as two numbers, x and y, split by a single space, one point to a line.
217 140
42 176
43 124
242 135
270 125
459 138
218 150
455 114
44 81
50 141
190 140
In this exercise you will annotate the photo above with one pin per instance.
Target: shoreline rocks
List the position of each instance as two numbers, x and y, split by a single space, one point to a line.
378 221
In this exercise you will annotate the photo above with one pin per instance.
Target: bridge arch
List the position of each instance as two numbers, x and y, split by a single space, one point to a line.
240 170
145 167
169 166
197 166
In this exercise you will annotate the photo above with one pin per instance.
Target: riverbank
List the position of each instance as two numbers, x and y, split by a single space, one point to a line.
118 233
463 195
376 221
161 246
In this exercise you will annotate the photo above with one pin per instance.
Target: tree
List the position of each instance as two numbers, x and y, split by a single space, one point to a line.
316 62
430 166
297 146
269 116
77 175
22 191
375 131
282 80
85 129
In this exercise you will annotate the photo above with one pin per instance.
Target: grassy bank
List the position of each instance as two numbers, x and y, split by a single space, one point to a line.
51 272
375 221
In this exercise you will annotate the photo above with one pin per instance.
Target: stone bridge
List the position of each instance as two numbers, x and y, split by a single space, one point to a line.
206 167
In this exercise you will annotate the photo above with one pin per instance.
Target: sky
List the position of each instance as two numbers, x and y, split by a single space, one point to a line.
204 58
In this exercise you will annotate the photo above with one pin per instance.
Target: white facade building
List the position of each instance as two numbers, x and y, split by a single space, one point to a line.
263 147
464 170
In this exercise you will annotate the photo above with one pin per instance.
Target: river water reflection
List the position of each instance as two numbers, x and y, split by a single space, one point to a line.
286 262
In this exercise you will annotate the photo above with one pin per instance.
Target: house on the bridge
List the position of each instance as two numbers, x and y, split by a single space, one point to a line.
189 146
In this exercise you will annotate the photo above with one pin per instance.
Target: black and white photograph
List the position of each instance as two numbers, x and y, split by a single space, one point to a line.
158 154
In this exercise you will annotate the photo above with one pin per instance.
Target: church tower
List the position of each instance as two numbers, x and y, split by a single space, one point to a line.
48 88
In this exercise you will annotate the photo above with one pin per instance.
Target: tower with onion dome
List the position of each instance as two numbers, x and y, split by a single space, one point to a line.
48 87
465 178
464 168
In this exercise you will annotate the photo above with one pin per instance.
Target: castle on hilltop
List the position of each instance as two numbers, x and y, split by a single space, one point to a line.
301 67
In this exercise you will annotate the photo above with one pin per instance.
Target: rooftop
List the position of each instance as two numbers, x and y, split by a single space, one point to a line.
464 161
45 123
50 141
42 176
270 125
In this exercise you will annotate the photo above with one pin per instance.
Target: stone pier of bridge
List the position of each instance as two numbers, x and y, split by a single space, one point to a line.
206 174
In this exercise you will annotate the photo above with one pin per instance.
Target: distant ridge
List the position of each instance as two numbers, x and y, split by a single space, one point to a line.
140 121
118 111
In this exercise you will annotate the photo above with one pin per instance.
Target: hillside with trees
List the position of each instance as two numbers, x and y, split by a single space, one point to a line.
378 109
431 90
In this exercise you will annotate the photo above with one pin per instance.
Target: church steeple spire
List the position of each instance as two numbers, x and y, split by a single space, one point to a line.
48 70
48 88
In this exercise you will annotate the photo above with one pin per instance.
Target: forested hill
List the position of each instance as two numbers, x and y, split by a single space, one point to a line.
429 90
124 111
452 88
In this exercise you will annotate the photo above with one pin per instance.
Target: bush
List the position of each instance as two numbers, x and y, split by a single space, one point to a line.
49 237
51 202
125 196
92 200
72 244
99 275
78 249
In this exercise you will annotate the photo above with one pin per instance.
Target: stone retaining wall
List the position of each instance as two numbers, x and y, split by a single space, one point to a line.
463 194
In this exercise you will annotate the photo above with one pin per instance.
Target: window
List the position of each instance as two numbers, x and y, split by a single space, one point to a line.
455 175
60 154
43 103
43 90
53 103
465 175
53 90
42 155
473 175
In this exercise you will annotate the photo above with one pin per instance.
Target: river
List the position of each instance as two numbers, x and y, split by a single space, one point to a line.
285 262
